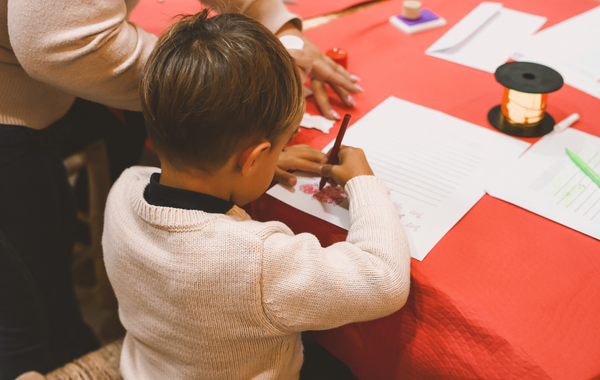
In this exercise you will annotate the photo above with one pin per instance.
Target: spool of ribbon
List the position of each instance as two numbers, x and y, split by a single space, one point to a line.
523 109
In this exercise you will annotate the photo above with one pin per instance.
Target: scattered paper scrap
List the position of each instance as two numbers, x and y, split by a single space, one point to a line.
317 122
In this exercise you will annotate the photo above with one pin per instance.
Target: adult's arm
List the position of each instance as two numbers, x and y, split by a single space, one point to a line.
89 49
323 70
271 13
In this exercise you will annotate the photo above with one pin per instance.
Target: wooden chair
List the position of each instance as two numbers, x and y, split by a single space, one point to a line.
102 364
94 292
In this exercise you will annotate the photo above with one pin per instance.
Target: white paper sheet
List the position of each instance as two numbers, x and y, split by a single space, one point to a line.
486 37
572 48
547 182
434 165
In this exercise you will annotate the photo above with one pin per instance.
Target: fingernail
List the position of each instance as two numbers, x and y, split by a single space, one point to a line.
354 78
351 101
335 114
320 168
359 88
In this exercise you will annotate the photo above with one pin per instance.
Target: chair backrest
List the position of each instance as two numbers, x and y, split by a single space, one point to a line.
102 364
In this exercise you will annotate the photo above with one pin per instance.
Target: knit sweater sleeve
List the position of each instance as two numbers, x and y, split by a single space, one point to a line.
89 49
307 287
271 13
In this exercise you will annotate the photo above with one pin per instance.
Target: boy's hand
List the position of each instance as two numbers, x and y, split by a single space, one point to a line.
297 157
352 163
324 71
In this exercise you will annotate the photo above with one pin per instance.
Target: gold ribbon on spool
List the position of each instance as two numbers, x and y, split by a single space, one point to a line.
523 109
522 112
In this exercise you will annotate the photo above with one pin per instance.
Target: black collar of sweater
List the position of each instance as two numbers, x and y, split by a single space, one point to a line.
166 196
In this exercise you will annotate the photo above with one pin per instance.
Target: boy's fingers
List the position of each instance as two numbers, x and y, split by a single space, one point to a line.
309 153
325 170
308 166
300 157
326 158
285 178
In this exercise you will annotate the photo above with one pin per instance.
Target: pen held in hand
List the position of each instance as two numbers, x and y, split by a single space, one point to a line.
336 146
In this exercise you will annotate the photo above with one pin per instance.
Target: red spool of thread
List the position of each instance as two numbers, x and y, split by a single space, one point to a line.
339 56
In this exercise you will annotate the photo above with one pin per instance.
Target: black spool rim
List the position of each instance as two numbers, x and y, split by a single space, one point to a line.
529 77
497 120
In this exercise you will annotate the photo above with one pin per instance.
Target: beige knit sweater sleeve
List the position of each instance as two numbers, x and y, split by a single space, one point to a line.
366 277
88 48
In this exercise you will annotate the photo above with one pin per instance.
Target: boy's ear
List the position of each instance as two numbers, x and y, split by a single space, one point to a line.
249 156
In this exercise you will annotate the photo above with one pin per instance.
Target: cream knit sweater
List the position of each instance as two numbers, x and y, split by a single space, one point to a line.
54 50
220 296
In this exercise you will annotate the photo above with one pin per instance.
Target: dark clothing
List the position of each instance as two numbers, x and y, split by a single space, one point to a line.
160 195
41 327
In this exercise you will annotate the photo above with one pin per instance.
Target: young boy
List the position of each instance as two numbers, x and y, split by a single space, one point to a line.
204 291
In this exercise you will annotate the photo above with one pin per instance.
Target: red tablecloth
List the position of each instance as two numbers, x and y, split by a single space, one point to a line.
154 16
506 293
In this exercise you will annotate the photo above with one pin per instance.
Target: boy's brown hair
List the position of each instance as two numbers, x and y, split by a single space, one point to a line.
212 85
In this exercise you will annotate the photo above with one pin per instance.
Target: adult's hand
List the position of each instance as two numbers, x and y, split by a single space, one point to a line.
324 71
297 157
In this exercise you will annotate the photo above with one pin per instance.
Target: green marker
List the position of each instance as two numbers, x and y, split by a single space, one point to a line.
583 166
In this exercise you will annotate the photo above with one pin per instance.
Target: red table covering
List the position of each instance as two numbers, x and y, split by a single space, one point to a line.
506 293
154 16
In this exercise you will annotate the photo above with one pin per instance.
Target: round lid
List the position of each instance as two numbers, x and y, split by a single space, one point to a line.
528 77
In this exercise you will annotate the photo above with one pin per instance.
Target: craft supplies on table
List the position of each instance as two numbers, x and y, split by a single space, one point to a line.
486 37
414 19
523 109
427 20
339 56
547 182
434 165
572 48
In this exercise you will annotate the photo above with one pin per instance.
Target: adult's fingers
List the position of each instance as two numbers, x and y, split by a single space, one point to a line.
335 75
320 94
339 80
345 97
303 61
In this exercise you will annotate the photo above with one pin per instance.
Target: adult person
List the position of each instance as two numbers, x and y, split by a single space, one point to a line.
61 63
